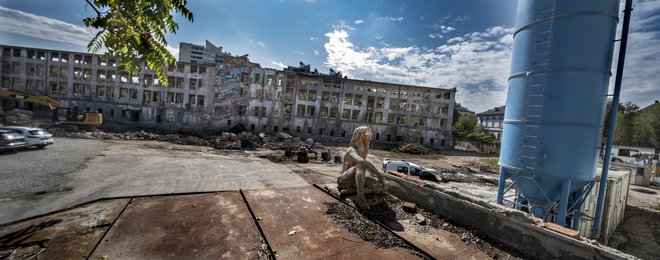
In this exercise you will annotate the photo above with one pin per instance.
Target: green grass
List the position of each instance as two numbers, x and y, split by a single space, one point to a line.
492 162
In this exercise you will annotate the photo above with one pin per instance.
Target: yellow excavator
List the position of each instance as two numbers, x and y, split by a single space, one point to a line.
61 115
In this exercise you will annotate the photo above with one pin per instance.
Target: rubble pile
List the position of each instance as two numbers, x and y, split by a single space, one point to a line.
357 224
18 117
223 141
417 149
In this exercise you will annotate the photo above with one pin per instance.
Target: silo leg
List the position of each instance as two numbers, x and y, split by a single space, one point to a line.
563 202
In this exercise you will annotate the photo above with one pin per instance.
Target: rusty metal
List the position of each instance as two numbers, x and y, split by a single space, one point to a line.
66 234
413 245
202 226
297 227
256 223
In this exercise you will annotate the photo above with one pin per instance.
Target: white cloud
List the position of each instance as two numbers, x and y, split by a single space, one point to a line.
278 64
443 28
392 19
477 66
173 50
311 1
298 52
436 36
261 44
27 24
359 21
343 25
463 18
642 66
316 52
314 39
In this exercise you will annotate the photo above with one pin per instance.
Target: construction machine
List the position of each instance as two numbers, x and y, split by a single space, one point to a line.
63 116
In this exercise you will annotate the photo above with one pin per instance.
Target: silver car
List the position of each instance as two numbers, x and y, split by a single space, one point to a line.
33 136
10 140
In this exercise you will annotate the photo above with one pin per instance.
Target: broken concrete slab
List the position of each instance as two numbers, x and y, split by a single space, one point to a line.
317 236
201 226
67 234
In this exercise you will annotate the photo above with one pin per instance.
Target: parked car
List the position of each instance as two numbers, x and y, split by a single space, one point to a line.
10 140
33 136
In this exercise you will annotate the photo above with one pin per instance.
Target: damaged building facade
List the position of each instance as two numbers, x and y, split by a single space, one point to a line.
225 95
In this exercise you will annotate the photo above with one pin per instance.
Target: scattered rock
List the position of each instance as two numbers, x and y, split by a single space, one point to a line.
420 219
409 207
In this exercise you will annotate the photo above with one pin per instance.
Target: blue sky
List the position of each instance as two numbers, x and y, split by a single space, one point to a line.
463 44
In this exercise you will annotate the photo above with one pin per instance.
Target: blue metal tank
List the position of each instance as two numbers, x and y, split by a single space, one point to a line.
555 106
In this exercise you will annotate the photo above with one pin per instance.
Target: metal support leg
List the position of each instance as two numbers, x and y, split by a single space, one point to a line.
500 186
563 203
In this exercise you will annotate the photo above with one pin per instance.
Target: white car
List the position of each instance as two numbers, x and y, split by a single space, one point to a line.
33 136
402 166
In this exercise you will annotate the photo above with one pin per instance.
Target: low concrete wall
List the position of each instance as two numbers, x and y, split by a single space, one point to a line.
475 146
510 227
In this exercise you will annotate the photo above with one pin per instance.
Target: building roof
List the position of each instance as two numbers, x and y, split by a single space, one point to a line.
650 107
496 111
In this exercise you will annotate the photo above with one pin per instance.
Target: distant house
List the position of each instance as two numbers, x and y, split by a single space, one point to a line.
492 120
649 108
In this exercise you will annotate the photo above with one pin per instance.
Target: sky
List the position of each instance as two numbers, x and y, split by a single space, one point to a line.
443 43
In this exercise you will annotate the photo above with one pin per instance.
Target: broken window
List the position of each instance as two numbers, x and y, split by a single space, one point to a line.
112 77
355 115
123 93
391 119
16 67
77 59
288 94
64 73
134 94
87 59
394 104
179 83
179 98
378 117
78 74
53 87
87 74
63 88
348 99
302 94
401 120
193 84
200 100
41 70
31 54
333 112
443 123
155 96
54 71
346 114
297 129
135 80
100 75
325 111
87 90
123 78
76 89
287 110
309 130
320 131
325 96
192 99
301 111
357 100
147 80
445 109
100 91
447 95
310 111
311 96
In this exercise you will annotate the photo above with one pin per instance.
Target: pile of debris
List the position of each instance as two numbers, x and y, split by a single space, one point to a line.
223 141
18 117
417 149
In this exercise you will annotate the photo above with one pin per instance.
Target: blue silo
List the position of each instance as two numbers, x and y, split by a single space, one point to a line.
555 106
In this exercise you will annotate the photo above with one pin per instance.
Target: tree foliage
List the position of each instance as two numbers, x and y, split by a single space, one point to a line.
467 127
634 128
134 32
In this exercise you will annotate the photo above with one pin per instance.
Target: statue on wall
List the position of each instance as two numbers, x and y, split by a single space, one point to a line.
352 178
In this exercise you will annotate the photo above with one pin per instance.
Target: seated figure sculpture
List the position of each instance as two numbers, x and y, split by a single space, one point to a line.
352 178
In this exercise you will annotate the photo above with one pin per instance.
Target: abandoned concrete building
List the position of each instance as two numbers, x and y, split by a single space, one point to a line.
220 96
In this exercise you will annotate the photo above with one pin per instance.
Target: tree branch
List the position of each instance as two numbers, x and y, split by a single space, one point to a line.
98 14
